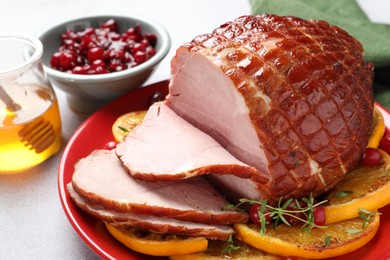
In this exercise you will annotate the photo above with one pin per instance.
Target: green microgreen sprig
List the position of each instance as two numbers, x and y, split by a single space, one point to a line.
279 213
229 246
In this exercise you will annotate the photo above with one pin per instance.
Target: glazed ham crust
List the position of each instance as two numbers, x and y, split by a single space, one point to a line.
291 97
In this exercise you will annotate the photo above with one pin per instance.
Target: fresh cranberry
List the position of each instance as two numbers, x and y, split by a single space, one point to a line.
110 145
385 143
293 206
156 97
371 157
254 214
319 216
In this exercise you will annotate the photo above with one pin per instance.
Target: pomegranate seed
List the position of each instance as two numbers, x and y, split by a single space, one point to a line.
385 143
55 60
371 157
95 53
150 51
138 47
151 38
116 65
319 216
97 63
140 57
80 70
103 44
67 59
111 24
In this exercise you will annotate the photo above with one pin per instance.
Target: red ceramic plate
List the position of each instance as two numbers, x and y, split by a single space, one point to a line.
95 132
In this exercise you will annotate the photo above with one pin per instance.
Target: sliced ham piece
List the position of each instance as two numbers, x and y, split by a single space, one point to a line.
166 147
101 179
292 98
161 225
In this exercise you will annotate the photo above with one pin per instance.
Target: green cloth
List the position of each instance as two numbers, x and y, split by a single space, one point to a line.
347 15
344 13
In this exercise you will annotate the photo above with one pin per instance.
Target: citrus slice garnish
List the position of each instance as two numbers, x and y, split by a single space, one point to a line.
157 244
378 128
216 251
366 187
125 123
336 239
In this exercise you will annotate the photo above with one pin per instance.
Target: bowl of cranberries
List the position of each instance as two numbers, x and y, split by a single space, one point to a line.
98 58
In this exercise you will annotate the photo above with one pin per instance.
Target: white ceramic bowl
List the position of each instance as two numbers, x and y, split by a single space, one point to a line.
87 93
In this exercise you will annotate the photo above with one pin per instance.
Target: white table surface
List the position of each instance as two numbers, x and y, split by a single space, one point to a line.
33 224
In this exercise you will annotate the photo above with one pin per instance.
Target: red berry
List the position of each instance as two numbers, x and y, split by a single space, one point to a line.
371 157
138 47
151 38
319 216
97 63
82 70
95 53
111 25
294 207
55 60
254 214
67 60
110 145
117 51
385 144
156 97
140 57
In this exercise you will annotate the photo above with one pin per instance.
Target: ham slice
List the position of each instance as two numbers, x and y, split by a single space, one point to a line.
161 225
290 97
101 179
166 147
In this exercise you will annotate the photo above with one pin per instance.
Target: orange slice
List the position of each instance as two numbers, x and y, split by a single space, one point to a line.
216 252
334 240
156 244
365 187
125 123
378 128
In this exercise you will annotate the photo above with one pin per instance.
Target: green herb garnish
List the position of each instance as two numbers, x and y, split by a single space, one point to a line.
229 247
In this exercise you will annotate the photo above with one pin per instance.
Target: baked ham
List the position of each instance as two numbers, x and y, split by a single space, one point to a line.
265 106
146 222
101 179
166 147
290 97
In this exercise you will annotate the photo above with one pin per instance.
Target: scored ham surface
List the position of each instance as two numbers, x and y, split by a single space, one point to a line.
166 147
292 98
101 179
146 222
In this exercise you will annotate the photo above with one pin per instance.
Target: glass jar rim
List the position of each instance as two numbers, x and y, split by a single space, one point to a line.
37 47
